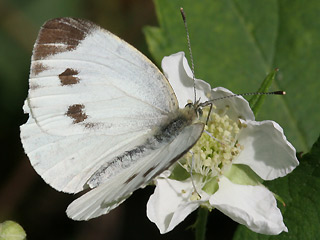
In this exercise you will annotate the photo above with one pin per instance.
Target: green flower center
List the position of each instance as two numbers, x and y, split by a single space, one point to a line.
213 153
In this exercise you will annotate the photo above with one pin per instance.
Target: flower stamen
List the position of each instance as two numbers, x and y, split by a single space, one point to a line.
216 148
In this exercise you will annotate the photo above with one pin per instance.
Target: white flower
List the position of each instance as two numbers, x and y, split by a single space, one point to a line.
229 162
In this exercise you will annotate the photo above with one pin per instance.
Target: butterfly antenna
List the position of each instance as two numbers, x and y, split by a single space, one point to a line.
242 94
190 51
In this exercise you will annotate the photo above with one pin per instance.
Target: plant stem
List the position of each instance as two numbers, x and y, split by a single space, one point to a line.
201 223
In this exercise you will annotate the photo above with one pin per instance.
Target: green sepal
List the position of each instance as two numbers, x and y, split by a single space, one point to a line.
279 199
243 175
179 173
257 100
211 186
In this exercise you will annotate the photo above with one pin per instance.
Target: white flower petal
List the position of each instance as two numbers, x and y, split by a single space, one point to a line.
253 206
170 203
266 150
179 74
237 106
176 69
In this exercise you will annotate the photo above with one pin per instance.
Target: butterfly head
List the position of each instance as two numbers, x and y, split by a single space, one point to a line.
194 108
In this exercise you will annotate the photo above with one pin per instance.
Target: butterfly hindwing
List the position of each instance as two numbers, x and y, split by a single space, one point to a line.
111 193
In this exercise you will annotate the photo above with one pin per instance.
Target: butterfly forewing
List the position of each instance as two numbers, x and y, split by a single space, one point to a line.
83 78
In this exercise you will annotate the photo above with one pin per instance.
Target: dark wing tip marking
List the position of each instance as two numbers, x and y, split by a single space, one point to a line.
37 68
68 77
76 112
34 86
60 35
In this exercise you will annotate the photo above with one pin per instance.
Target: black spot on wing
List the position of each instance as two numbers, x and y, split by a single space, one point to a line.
68 77
76 112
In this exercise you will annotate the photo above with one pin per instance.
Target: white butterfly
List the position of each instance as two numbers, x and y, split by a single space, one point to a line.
101 116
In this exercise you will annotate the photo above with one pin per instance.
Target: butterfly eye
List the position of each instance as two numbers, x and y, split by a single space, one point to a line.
189 105
200 112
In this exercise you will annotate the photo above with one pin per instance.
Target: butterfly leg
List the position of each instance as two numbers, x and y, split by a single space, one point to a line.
208 133
191 175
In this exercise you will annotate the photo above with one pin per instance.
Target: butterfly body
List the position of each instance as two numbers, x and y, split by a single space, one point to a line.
156 140
101 115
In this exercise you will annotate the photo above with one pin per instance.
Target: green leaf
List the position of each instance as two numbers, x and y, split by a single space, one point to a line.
236 43
257 100
300 190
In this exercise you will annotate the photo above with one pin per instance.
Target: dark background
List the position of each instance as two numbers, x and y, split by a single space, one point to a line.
24 197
